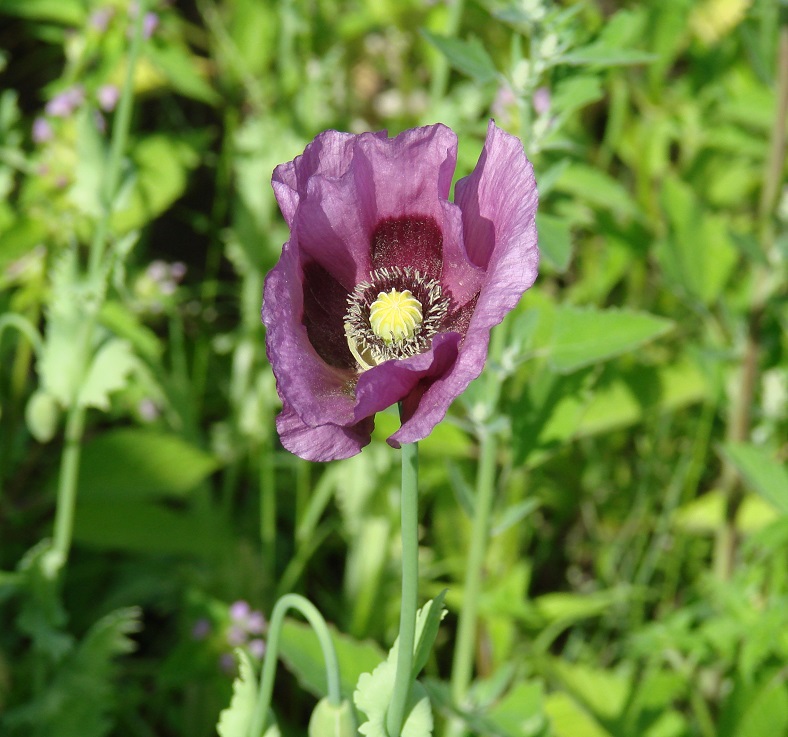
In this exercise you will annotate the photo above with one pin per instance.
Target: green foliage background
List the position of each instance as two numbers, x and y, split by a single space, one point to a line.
636 577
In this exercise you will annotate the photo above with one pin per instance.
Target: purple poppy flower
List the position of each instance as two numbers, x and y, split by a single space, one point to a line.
386 292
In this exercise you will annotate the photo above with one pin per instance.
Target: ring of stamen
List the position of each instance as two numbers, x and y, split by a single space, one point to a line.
394 314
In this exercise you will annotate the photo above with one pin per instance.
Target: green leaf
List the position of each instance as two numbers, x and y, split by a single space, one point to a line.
558 408
598 189
431 613
373 696
21 237
706 514
148 528
521 712
761 472
87 191
555 240
300 651
513 515
374 690
122 321
575 93
756 708
68 12
567 607
131 463
584 336
179 67
108 372
162 163
59 365
236 719
604 692
597 55
569 719
698 256
79 698
42 616
468 57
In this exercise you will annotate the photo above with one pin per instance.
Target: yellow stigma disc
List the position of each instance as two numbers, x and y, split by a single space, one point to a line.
394 316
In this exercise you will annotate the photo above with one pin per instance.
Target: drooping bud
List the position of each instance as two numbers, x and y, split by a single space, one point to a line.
332 721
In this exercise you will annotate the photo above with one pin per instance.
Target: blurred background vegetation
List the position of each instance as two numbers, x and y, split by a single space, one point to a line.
636 578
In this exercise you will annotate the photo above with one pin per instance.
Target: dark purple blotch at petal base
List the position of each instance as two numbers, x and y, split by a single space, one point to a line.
325 305
358 204
409 242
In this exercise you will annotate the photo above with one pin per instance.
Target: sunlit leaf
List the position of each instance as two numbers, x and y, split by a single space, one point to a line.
584 336
236 719
468 57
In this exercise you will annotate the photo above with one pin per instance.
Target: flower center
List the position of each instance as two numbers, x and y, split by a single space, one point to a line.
394 315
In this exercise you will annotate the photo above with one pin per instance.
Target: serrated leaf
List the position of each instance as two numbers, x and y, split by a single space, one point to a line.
108 372
374 690
79 698
761 472
87 190
468 57
584 336
236 719
373 696
42 616
132 463
59 365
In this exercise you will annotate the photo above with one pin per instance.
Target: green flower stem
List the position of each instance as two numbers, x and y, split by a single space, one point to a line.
315 619
75 421
403 680
120 136
462 667
67 485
